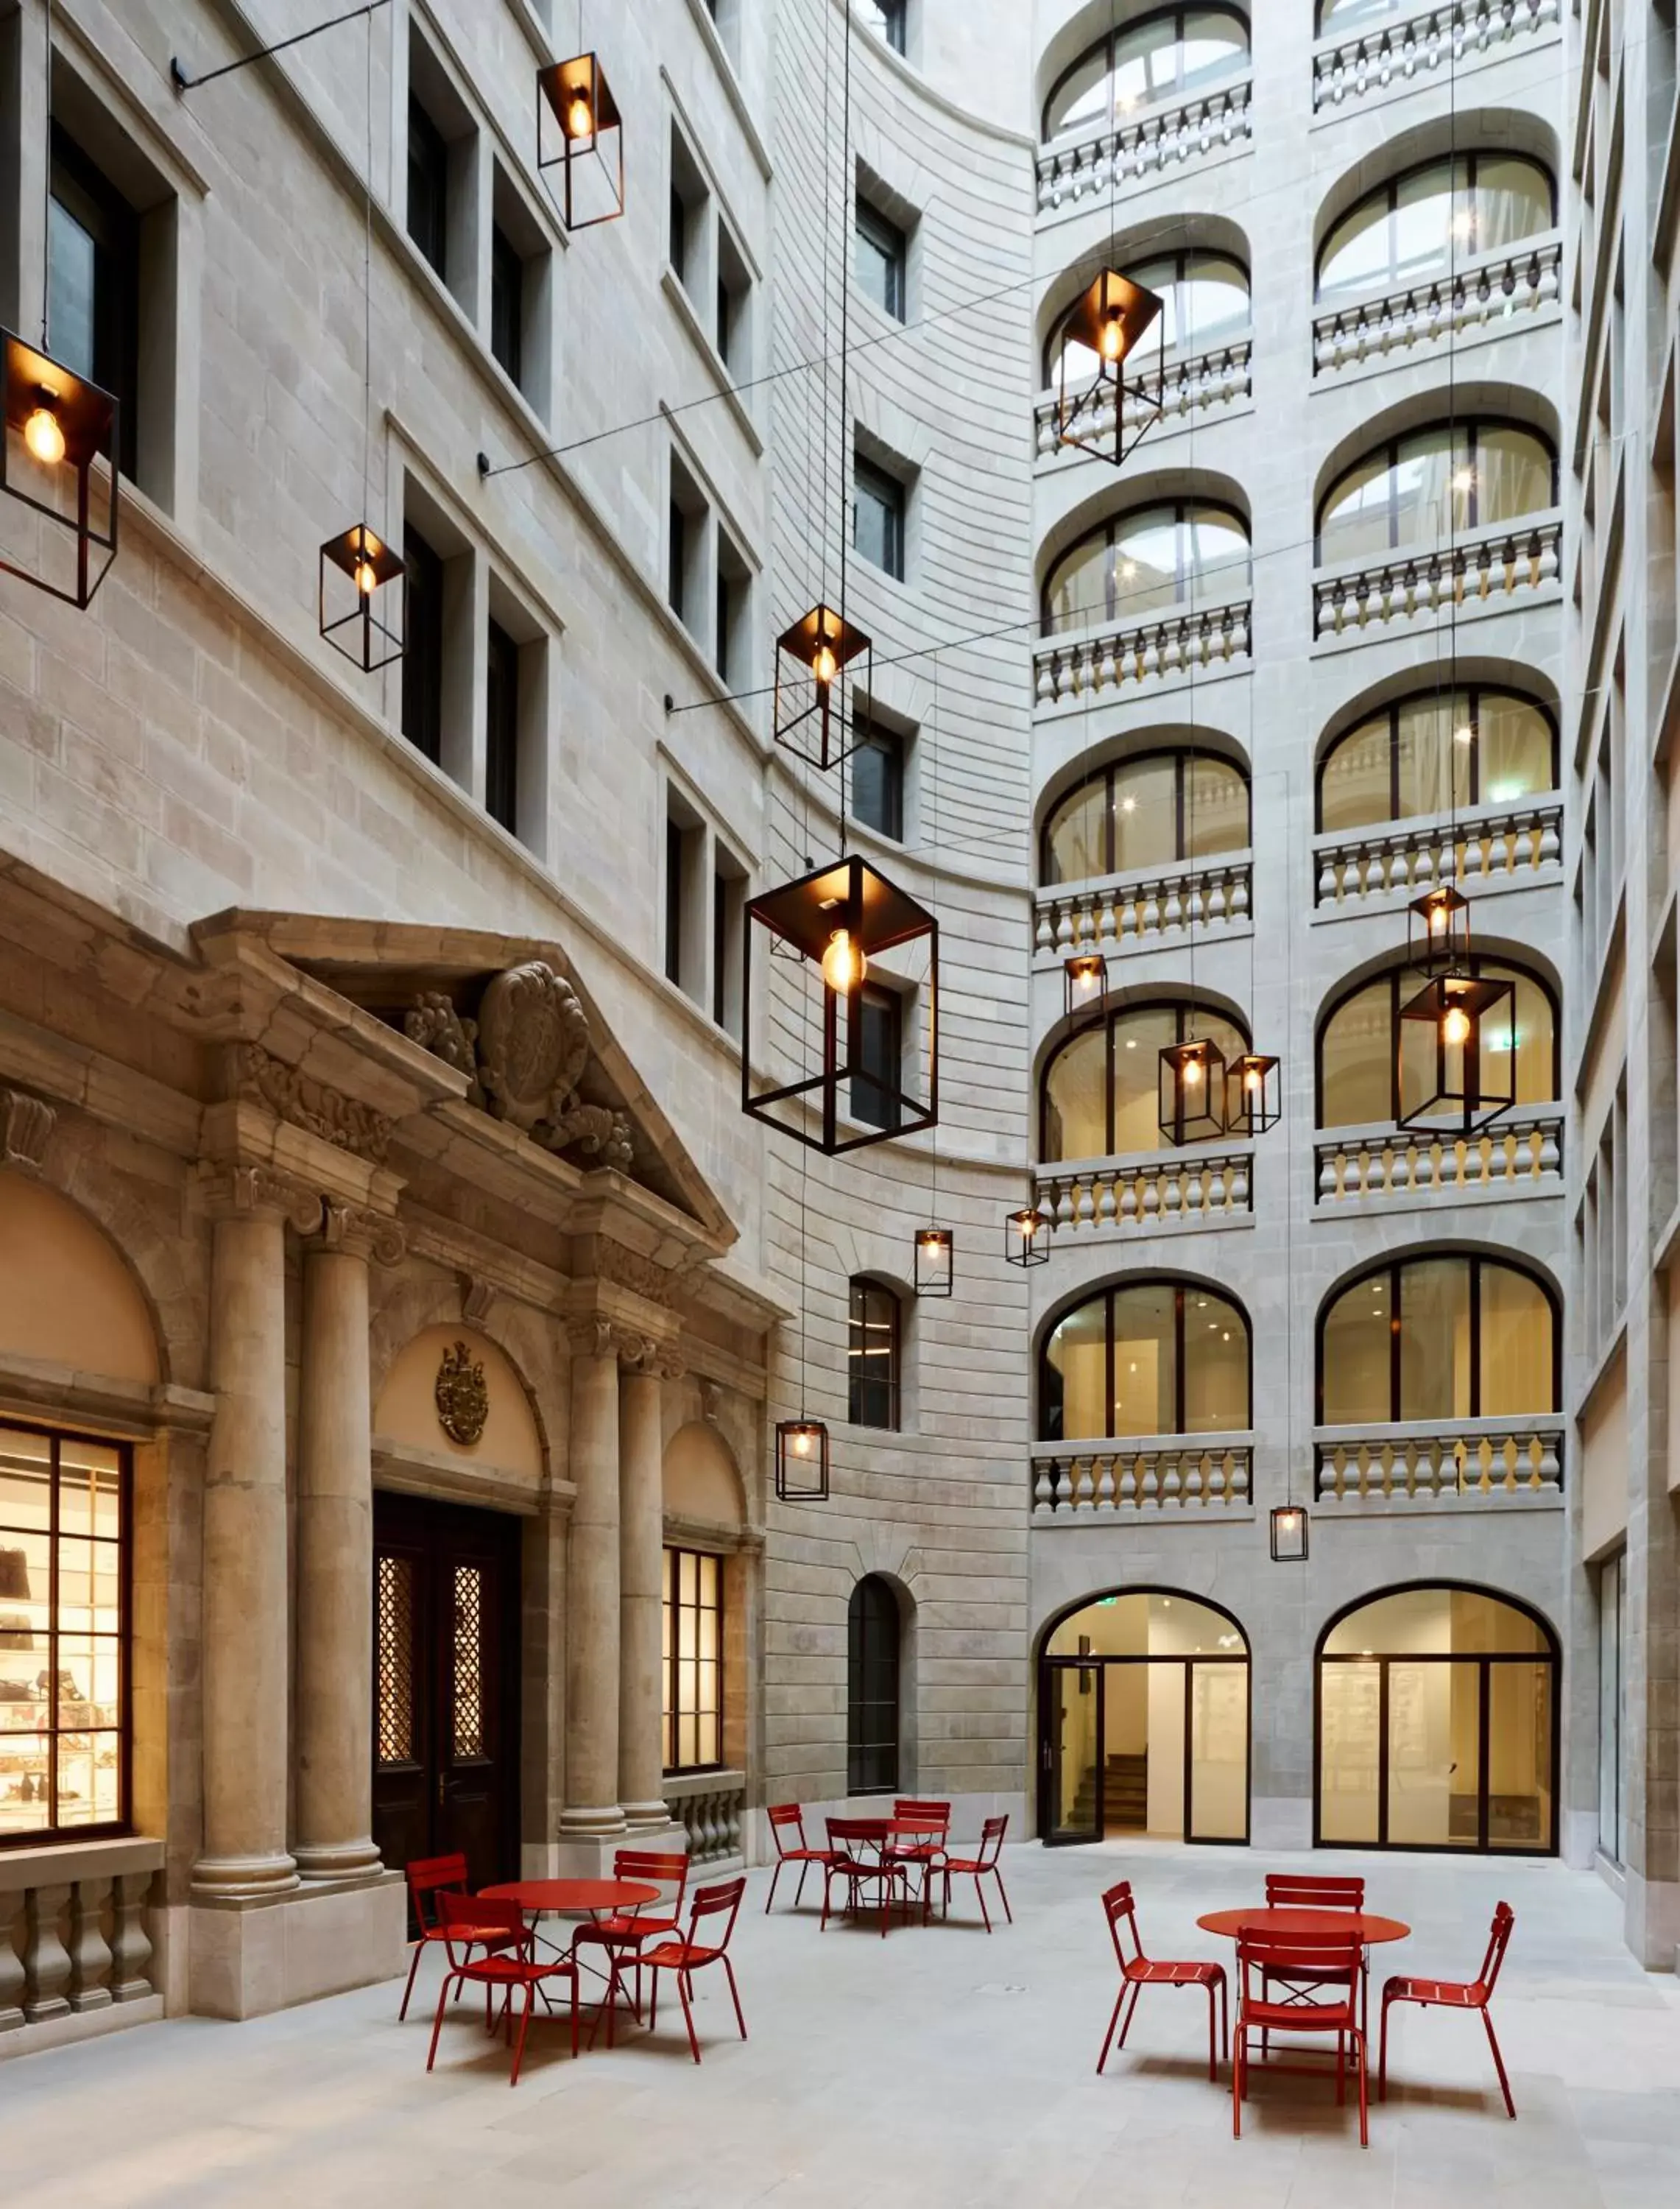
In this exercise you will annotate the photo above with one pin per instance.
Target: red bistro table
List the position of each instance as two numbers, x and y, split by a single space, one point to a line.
917 1836
580 1898
1312 1924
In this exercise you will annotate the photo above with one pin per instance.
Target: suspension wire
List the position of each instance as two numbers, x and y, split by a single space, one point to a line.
367 297
46 186
185 83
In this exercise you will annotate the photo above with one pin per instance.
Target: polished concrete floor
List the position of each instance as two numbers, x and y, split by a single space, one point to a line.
939 2068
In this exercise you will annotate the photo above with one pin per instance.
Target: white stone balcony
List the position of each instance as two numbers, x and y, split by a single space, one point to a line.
708 1806
1154 1476
1084 166
1486 571
1072 669
1498 847
1201 384
1464 1465
1134 910
1499 293
1426 46
1148 1191
1522 1154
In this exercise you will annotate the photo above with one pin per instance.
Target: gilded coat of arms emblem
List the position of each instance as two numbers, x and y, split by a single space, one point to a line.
463 1401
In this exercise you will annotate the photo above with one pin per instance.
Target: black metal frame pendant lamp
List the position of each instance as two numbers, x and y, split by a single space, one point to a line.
575 99
1473 1019
1026 1235
811 656
1111 320
60 428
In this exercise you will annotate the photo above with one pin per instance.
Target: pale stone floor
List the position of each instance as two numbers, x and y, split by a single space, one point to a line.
939 2068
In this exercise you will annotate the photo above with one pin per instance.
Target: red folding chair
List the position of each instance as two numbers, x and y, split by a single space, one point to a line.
623 1932
921 1832
510 1973
1306 1960
858 1853
691 1953
431 1878
1294 1890
1455 1994
787 1818
1138 1970
977 1867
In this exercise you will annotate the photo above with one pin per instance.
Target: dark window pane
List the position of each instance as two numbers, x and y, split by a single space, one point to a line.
677 559
423 652
872 1721
428 185
507 303
877 781
880 260
879 1075
878 519
675 855
502 730
93 268
886 18
679 235
872 1364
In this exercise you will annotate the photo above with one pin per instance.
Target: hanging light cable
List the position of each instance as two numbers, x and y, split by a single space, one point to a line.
934 1272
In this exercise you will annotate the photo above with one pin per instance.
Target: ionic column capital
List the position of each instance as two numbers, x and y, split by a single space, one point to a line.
255 1192
636 1352
359 1232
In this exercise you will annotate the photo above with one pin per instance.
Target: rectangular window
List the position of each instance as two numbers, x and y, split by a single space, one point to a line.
878 1077
734 301
428 185
886 18
423 650
883 256
507 303
676 557
63 1636
877 518
1612 1759
872 1361
693 1652
502 729
877 780
679 235
732 643
729 911
92 284
675 890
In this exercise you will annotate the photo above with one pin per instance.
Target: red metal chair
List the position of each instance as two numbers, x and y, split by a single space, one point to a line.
508 1972
626 1930
1300 1959
1294 1890
977 1867
691 1953
785 1818
925 1849
1452 1994
858 1853
1138 1970
431 1878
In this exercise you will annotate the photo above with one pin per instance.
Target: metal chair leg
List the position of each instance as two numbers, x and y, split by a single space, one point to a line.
774 1877
1114 2019
687 2016
413 1968
735 1992
1499 2065
1003 1891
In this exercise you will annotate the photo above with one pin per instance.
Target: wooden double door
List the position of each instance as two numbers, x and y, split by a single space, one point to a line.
446 1589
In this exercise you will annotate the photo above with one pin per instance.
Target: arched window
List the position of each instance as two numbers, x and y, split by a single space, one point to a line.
1373 1065
1172 55
874 1630
1154 810
1437 1724
1440 1337
1137 564
1437 751
1204 299
1433 218
1432 484
1101 1093
1152 1357
873 1352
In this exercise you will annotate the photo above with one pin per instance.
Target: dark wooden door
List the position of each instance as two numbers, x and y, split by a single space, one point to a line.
446 1685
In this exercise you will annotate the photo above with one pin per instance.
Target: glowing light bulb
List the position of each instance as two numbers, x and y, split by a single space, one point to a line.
367 582
1112 339
1462 736
801 1441
1438 920
825 666
580 121
1251 1078
1455 1026
844 965
1463 478
1192 1072
44 434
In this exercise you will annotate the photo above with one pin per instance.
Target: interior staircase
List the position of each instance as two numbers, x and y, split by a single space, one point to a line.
1125 1797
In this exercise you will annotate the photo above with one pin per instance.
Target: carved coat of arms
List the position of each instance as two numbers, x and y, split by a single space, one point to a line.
462 1399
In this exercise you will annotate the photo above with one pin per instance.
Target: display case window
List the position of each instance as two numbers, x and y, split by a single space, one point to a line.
693 1652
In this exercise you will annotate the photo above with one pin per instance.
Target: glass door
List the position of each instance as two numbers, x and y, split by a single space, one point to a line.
1217 1807
1070 1723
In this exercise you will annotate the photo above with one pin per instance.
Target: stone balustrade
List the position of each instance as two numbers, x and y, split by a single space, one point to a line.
708 1806
1088 165
1521 1153
1116 912
1071 671
1499 290
1493 1463
73 1937
1206 1474
1150 1189
1492 845
1480 570
1433 41
1179 388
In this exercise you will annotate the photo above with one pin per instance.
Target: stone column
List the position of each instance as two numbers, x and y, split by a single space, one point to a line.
245 1646
641 1560
334 1706
591 1592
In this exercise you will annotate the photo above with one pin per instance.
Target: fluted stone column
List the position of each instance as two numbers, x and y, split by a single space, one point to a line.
246 1644
641 1557
591 1592
334 1708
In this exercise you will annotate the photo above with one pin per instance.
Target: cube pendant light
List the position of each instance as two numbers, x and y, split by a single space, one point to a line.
1026 1237
363 597
1110 321
1192 1092
810 656
57 426
1084 985
1290 1534
574 100
1472 1020
936 1261
1437 930
802 1461
1253 1099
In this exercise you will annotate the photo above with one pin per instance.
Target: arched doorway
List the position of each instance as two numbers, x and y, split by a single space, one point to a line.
1436 1720
1143 1721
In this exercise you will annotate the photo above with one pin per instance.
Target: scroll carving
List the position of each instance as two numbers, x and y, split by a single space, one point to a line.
630 1270
26 1127
297 1099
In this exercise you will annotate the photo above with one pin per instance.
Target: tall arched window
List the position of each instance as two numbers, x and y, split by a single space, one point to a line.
873 1355
1152 1357
1436 751
1442 1337
1432 484
1373 1066
1172 54
1437 1724
1433 218
1204 302
1154 810
1154 556
874 1631
1101 1092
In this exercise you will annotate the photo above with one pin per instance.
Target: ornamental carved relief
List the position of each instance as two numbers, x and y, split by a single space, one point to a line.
524 1057
26 1124
297 1099
461 1396
630 1270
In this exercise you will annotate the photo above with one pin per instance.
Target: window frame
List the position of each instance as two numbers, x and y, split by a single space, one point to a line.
506 305
869 1302
423 645
1174 13
886 237
428 153
1394 1268
1105 1295
673 1657
1472 425
874 736
1404 982
1390 191
1181 510
893 30
80 187
502 652
888 1623
877 997
1184 1009
890 494
1182 755
1474 692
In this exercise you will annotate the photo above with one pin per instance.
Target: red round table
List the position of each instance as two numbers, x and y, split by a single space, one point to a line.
1316 1925
578 1895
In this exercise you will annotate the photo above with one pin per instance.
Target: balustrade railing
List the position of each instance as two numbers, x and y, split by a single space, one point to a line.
1179 388
1456 306
1119 911
1406 859
1072 669
708 1805
1521 1152
1435 39
1468 1461
1150 1189
1203 1474
68 1946
1089 165
1499 564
